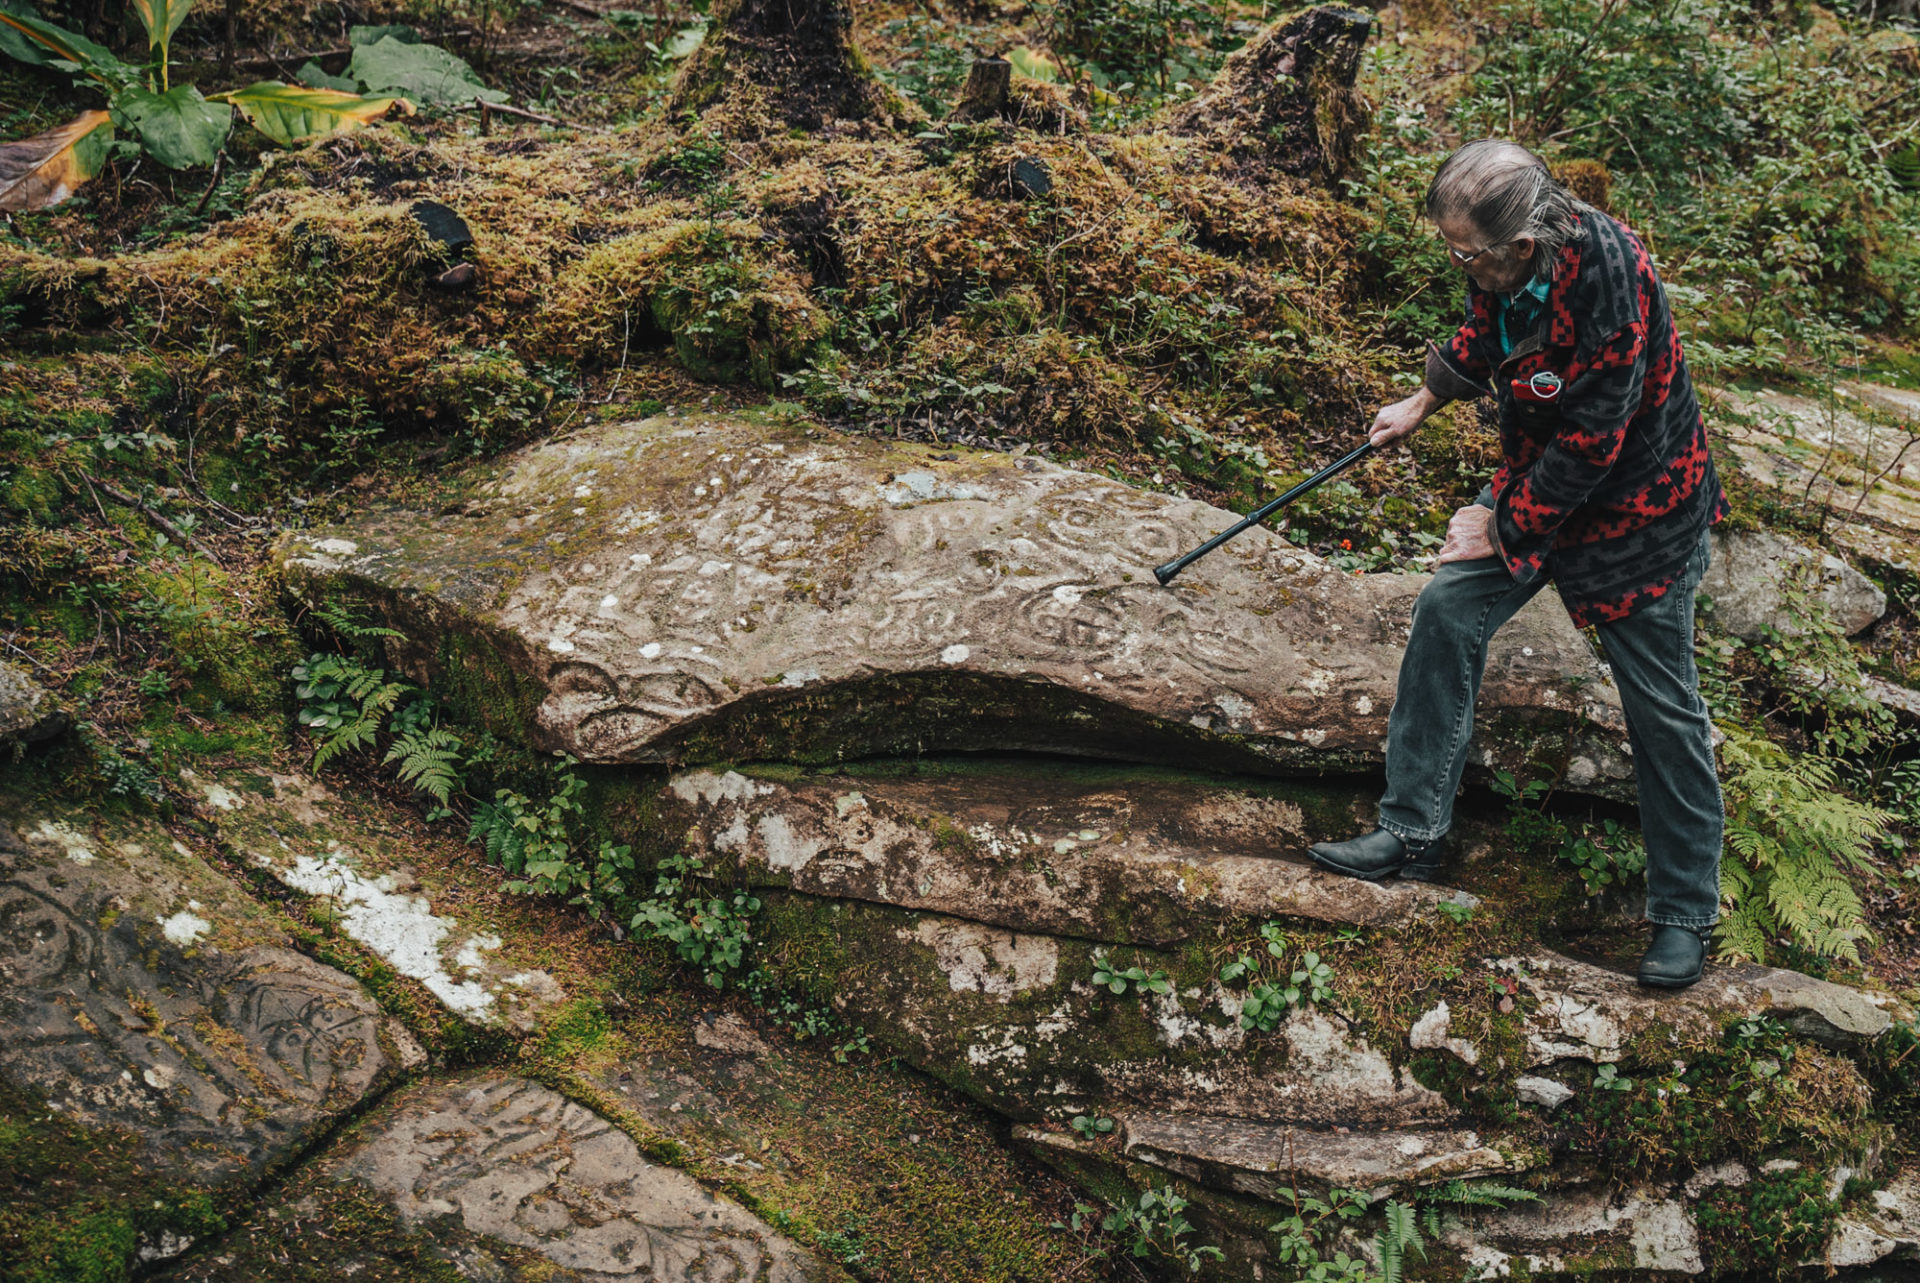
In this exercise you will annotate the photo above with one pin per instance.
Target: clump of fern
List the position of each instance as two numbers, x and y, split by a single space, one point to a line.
1799 843
344 703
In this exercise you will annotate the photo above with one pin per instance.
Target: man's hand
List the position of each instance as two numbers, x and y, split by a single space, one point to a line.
1402 417
1469 536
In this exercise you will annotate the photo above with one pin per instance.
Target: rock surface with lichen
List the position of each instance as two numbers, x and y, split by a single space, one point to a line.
686 589
140 989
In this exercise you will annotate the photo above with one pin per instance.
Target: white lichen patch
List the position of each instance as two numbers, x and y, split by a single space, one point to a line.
76 846
473 954
218 796
979 959
700 788
785 847
402 929
185 927
1008 1051
924 487
955 654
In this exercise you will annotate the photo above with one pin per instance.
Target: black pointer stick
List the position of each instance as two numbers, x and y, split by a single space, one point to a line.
1166 573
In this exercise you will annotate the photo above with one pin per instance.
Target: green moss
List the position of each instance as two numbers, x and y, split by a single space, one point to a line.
1767 1226
74 1200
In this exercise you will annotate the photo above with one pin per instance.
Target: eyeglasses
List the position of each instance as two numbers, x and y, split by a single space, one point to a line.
1464 259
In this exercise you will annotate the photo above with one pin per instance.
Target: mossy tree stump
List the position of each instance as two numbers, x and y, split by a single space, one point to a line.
769 66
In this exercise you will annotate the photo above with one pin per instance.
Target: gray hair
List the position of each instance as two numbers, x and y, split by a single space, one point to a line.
1506 193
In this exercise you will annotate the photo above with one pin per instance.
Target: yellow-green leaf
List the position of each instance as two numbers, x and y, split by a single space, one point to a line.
161 18
291 114
34 40
41 171
1035 65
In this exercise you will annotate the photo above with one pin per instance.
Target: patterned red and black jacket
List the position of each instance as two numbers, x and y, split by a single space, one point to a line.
1606 485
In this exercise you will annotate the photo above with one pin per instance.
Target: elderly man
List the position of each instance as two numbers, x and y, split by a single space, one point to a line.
1606 487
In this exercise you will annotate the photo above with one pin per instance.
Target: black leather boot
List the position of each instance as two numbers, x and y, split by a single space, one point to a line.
1380 854
1676 957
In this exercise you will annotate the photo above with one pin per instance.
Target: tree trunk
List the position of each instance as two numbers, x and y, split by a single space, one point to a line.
768 66
1286 103
989 84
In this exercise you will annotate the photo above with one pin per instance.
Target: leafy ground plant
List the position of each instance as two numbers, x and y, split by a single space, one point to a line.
1155 1226
175 124
1800 843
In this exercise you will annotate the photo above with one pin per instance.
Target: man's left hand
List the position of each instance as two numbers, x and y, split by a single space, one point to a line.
1469 535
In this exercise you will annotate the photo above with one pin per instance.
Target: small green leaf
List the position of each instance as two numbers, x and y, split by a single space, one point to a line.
179 128
315 76
425 73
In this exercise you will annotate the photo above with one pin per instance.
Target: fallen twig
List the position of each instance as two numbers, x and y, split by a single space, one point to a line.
122 497
219 168
485 108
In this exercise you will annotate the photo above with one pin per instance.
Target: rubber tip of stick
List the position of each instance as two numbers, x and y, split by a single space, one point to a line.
1165 573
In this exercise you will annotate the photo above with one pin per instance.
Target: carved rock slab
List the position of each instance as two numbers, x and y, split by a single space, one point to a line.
703 588
140 989
513 1162
1129 856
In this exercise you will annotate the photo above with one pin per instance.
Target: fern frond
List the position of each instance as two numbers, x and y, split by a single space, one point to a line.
429 760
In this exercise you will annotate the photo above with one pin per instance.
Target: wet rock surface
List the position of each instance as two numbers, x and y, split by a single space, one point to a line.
689 589
140 989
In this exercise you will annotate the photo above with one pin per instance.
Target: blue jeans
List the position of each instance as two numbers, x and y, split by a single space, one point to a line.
1651 652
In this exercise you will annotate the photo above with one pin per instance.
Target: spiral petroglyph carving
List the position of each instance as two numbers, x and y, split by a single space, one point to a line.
520 1164
226 1059
834 561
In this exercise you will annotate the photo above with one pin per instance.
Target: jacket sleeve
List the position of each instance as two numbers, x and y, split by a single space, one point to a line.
1594 410
1456 372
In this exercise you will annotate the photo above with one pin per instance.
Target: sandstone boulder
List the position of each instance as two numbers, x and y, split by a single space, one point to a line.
1751 570
28 713
701 589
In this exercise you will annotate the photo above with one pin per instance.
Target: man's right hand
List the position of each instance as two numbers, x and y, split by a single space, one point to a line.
1402 417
